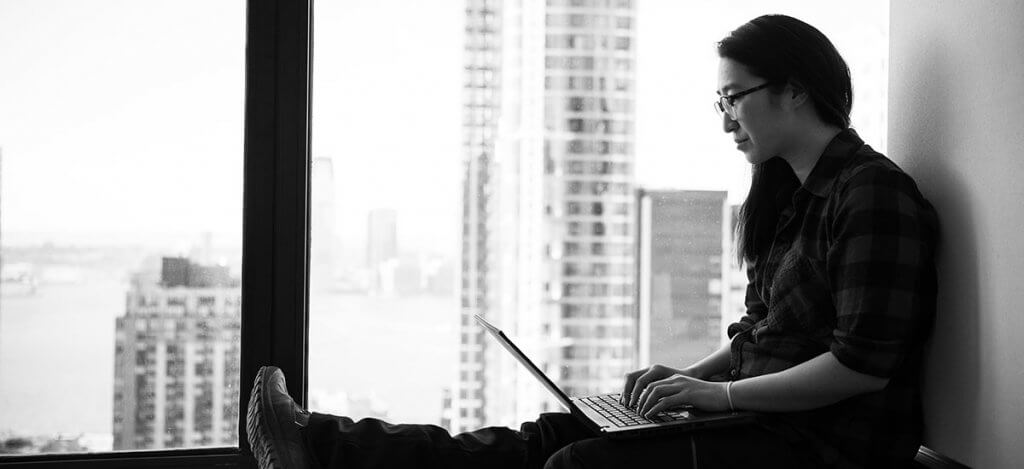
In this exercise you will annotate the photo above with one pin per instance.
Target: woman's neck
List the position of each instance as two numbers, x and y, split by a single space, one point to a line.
807 147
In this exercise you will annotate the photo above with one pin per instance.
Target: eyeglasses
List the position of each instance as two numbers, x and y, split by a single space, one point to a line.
725 104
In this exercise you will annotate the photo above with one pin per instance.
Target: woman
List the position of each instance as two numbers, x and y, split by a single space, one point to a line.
838 244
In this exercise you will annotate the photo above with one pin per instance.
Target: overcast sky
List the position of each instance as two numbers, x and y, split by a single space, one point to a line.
122 120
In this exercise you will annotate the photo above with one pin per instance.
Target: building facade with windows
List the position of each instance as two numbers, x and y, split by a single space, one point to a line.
548 237
683 274
464 406
176 375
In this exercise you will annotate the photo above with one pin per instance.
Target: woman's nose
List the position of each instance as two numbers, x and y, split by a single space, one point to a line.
728 124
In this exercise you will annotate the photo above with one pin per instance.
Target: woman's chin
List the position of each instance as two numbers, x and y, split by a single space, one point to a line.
754 157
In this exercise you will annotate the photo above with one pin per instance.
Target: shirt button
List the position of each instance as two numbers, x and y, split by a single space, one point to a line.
734 373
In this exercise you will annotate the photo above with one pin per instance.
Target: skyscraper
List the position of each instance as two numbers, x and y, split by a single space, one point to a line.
482 92
177 357
683 239
382 250
548 206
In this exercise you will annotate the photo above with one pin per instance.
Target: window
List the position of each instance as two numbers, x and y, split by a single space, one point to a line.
124 229
219 94
387 235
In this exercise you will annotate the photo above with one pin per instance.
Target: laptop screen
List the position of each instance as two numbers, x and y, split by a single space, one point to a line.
519 355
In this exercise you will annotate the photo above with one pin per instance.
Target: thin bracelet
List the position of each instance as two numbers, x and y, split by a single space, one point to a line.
728 395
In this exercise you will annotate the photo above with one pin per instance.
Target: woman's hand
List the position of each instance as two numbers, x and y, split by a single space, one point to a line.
638 380
677 390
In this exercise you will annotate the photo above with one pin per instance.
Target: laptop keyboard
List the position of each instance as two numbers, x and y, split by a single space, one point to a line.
622 416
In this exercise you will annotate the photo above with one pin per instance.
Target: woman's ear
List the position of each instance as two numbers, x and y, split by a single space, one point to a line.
798 95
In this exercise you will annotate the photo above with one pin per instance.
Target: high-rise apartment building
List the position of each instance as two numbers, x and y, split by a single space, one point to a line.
682 274
464 406
548 239
177 356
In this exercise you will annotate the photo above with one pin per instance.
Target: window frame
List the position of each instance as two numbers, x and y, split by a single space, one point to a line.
275 231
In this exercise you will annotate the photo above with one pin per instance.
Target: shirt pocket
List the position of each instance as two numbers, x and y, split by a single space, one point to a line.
801 301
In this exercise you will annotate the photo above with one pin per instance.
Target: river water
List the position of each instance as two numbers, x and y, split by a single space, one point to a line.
381 356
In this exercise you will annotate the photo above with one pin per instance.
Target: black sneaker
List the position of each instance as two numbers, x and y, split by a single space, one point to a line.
273 423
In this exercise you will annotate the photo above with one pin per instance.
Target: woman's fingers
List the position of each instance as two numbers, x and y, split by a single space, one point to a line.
666 403
655 392
627 389
641 385
638 381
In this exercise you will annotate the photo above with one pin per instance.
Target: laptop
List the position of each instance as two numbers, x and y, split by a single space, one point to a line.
605 416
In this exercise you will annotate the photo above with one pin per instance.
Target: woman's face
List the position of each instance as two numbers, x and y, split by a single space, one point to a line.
759 124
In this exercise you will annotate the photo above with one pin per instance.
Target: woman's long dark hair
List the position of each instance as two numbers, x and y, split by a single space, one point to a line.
784 50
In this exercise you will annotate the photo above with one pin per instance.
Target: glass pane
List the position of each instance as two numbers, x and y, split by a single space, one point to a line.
120 224
385 214
554 166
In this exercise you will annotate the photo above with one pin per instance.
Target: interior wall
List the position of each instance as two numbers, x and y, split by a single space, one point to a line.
955 124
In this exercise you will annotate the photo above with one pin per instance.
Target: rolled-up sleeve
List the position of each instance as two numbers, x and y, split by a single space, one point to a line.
879 266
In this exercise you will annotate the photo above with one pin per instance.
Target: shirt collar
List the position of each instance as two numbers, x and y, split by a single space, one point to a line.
825 172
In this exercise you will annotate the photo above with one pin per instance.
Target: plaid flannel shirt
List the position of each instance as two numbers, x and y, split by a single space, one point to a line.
851 272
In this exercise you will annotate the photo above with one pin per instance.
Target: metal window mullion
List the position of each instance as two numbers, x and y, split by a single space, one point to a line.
276 222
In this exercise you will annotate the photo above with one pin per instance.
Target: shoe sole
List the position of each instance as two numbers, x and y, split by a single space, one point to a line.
260 424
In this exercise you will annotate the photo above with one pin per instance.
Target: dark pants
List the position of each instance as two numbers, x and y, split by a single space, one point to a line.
553 441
